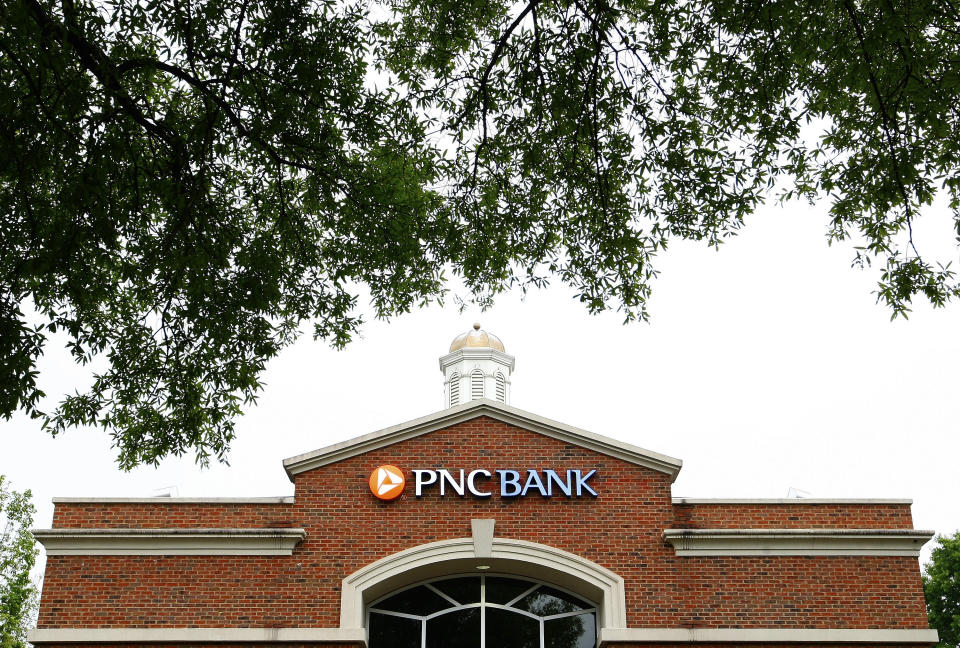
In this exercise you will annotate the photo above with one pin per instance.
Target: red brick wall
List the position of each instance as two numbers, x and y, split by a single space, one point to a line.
794 516
801 592
348 528
170 514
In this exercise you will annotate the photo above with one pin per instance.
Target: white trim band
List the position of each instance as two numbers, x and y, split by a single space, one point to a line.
173 500
358 636
796 542
177 635
474 409
791 500
169 542
766 635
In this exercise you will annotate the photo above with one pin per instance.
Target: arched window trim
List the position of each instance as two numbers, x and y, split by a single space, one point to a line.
521 558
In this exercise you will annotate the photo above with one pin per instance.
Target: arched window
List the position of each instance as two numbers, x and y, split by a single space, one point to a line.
454 389
501 388
481 611
476 385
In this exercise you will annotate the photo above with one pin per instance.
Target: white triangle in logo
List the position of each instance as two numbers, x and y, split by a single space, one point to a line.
386 488
387 481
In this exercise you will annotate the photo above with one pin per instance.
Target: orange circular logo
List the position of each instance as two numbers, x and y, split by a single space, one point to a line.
386 482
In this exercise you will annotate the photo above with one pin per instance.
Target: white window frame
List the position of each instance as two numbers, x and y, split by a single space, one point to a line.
535 584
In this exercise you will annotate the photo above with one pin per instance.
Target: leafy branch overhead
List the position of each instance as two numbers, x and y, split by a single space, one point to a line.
185 184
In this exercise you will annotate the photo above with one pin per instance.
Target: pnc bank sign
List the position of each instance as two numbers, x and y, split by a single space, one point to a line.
387 482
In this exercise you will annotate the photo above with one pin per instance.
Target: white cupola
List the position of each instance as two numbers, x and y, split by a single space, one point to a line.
476 367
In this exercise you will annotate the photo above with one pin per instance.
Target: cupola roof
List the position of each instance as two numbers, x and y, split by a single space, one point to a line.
476 337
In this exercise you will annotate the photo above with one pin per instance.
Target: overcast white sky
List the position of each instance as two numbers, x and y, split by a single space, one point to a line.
767 365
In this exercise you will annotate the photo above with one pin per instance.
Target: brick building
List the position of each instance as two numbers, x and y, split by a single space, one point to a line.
482 526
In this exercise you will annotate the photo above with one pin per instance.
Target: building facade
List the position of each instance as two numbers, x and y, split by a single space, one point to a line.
482 526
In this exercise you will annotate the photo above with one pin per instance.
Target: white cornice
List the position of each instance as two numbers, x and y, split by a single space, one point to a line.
169 542
198 635
610 636
477 353
792 500
796 542
173 500
474 409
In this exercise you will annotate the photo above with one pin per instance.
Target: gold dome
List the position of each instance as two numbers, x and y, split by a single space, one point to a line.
476 338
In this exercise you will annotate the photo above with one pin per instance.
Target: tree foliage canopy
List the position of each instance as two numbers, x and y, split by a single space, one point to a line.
941 588
18 595
185 184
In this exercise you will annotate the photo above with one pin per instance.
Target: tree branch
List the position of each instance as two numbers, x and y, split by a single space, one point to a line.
885 121
98 64
485 77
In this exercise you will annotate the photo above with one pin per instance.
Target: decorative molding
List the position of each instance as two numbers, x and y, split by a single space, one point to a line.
173 500
519 557
482 537
792 500
357 636
169 542
796 542
477 353
610 636
474 409
198 635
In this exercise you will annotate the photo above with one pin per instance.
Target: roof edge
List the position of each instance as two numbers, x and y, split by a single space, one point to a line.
200 541
477 353
130 532
792 500
790 532
495 410
173 500
797 542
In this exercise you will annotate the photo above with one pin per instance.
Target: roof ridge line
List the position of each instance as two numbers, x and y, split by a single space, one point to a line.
482 407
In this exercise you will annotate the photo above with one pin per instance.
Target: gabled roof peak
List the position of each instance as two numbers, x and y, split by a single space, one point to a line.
474 409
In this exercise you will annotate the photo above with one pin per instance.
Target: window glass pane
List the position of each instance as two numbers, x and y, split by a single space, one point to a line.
416 600
545 601
396 632
460 629
461 590
503 590
507 629
570 632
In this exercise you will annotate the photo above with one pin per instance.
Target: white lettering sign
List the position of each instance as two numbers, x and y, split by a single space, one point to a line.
513 483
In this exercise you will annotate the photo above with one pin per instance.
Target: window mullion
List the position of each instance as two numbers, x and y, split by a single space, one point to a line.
483 611
525 592
564 615
402 615
439 593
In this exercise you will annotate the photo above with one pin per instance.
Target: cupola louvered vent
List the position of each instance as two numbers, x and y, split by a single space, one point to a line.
476 385
454 390
501 388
